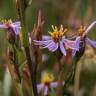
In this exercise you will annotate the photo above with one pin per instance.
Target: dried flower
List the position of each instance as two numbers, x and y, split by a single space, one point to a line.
58 40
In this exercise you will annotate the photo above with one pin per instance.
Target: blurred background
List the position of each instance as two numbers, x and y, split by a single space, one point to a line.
70 13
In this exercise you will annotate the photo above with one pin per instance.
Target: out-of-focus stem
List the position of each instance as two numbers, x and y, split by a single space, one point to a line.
14 82
60 78
16 62
77 79
22 7
10 68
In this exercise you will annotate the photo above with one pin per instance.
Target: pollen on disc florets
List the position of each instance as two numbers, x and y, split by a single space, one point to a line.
57 33
47 78
81 30
7 22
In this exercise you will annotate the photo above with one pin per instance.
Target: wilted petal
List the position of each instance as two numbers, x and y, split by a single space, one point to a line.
45 90
40 87
62 48
91 42
45 37
72 44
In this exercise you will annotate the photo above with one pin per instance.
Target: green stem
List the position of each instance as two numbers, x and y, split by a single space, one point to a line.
26 44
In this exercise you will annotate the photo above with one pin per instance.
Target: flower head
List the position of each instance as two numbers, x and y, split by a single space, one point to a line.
47 78
57 34
83 33
8 24
46 83
81 30
57 40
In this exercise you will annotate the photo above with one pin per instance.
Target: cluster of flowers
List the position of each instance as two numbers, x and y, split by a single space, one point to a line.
56 41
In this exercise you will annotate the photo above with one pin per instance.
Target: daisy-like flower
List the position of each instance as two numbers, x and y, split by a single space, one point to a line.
46 83
57 40
8 24
83 33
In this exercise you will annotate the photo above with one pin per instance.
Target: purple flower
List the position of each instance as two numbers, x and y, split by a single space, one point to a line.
83 33
90 42
58 40
7 24
46 83
45 87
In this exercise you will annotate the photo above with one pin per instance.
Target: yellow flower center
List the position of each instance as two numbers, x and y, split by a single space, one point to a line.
47 78
57 33
81 30
7 22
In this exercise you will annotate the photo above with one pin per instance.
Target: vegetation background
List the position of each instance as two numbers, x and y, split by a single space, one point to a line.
70 13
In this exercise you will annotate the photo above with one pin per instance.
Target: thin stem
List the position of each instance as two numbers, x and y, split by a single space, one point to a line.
33 81
16 62
22 6
61 75
12 76
18 90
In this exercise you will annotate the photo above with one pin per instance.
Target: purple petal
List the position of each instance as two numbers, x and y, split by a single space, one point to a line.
42 43
73 52
45 90
16 30
78 43
40 87
53 84
17 24
62 48
53 47
16 27
3 26
91 42
49 45
72 44
46 37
